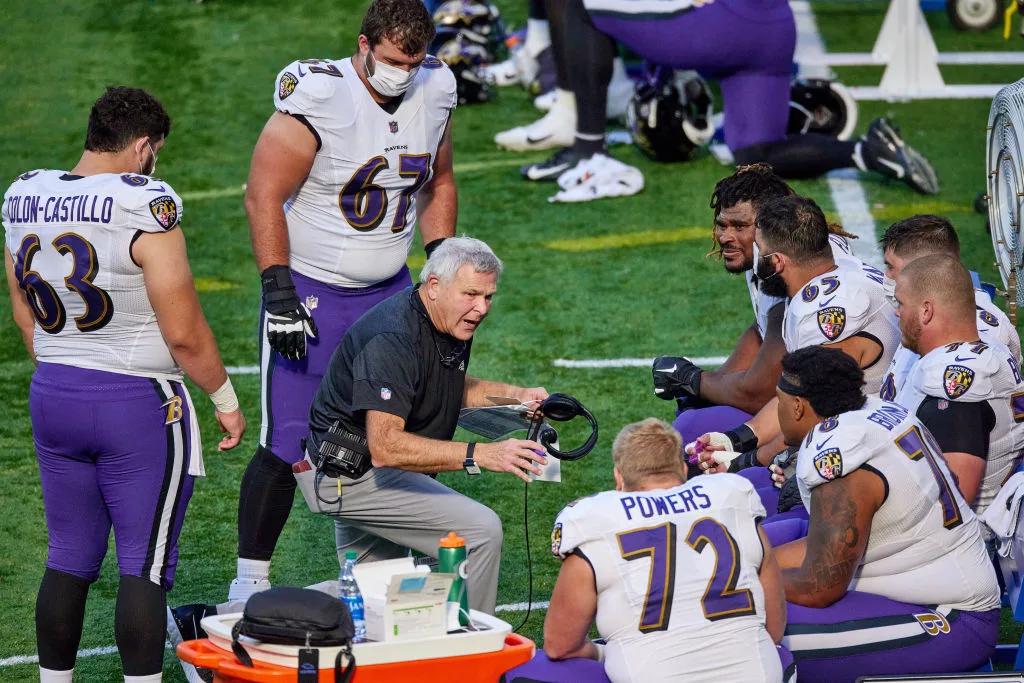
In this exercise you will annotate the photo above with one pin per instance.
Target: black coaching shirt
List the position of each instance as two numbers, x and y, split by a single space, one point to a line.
393 360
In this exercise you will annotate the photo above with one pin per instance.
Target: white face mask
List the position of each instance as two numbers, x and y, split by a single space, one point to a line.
889 287
389 81
152 168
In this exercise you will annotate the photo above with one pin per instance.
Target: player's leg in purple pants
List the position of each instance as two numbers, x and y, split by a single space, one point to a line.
869 635
780 532
540 669
692 423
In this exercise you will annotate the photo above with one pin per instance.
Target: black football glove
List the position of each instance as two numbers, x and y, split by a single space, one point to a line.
675 378
288 319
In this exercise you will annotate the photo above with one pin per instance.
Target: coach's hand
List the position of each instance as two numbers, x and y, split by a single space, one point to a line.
288 320
675 377
232 425
517 456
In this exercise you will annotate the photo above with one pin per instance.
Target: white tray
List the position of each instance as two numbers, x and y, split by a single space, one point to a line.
490 638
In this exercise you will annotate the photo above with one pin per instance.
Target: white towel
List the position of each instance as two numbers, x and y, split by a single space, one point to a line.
1003 515
196 468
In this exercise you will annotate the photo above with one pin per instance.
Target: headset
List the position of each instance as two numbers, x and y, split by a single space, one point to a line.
561 408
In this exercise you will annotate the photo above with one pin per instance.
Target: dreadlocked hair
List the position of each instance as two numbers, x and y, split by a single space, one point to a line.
754 183
836 229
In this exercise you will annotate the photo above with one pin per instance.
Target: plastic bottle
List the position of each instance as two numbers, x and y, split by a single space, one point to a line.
352 597
451 559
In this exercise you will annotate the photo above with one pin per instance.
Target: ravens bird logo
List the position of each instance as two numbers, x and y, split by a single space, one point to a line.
957 380
829 464
832 321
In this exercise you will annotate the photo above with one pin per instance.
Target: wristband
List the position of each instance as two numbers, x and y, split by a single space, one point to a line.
743 438
224 399
432 245
747 459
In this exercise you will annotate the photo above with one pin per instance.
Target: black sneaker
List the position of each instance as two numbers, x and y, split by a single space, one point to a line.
549 170
884 151
183 624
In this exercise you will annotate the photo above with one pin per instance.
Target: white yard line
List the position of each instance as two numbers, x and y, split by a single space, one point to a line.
627 362
847 192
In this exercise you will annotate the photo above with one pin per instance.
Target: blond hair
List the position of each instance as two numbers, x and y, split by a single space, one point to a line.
650 448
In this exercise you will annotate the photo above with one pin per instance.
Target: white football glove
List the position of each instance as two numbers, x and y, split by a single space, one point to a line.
694 449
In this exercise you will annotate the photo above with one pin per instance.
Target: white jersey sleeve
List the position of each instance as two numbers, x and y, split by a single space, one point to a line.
925 545
304 88
845 302
152 204
895 377
994 324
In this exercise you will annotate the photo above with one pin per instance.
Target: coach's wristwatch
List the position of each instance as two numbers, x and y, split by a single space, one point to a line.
469 464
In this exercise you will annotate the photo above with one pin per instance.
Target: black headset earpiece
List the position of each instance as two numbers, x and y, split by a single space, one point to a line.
562 408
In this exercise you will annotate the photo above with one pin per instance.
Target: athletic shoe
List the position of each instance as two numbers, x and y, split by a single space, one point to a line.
546 101
242 589
526 64
597 177
883 150
556 129
183 623
560 162
503 73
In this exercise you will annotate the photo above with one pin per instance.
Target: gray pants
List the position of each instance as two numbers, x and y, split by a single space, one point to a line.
387 511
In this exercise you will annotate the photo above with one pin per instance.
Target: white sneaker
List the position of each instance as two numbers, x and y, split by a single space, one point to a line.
555 129
503 73
547 100
620 91
597 177
242 589
526 64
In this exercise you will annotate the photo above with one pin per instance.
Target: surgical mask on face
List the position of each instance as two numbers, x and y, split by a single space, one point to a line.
152 166
889 287
389 81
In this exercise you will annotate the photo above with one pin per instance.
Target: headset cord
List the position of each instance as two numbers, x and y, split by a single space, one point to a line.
529 562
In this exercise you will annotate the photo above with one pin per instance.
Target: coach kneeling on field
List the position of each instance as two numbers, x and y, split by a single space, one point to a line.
390 402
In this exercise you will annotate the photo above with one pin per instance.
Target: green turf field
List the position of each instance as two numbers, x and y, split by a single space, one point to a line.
213 66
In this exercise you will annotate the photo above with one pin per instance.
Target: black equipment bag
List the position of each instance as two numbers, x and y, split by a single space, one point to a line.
297 616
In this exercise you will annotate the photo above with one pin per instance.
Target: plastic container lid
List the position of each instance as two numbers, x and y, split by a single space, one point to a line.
351 555
453 541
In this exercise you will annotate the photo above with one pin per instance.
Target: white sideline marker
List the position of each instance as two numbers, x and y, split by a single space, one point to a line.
628 362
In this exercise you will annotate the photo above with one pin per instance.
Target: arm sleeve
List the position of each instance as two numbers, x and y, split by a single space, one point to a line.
384 376
151 203
958 427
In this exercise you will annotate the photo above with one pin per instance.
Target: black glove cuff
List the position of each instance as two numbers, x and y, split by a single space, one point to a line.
430 246
743 438
275 278
748 459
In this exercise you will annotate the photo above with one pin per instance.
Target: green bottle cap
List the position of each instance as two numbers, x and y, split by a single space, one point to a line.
351 554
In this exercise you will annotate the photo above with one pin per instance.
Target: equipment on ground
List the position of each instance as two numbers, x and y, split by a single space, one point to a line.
669 116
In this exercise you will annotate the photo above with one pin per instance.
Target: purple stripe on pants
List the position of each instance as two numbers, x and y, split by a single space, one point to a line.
836 644
113 453
290 386
747 46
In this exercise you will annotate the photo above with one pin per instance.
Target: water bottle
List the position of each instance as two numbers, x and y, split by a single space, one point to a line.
351 596
451 559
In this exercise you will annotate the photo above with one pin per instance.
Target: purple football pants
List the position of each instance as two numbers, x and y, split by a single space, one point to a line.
540 669
289 386
867 635
113 452
746 45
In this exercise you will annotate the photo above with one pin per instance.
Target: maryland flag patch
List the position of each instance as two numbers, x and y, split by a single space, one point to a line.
832 321
956 380
829 464
165 211
286 86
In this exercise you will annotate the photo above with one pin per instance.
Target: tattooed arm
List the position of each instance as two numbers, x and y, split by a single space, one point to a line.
840 521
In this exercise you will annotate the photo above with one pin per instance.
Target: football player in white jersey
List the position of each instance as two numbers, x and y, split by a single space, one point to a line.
102 292
356 155
746 381
968 392
893 576
919 236
664 567
835 303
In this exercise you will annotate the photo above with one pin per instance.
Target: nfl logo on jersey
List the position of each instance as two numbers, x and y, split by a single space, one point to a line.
393 126
385 393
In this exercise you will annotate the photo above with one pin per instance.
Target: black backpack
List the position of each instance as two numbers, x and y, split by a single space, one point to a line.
297 616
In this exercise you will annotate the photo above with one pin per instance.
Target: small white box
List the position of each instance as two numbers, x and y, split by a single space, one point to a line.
401 601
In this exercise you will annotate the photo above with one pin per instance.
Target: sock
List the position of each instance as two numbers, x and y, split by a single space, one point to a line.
858 159
140 627
588 145
538 36
60 610
253 570
152 678
51 676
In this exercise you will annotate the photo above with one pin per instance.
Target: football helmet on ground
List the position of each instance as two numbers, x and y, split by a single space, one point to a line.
669 116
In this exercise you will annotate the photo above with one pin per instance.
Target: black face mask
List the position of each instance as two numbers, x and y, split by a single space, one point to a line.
769 280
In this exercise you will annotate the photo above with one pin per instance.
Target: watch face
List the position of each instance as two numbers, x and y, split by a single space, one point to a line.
471 467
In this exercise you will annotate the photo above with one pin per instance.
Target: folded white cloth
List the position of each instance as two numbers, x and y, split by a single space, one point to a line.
1003 515
597 177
